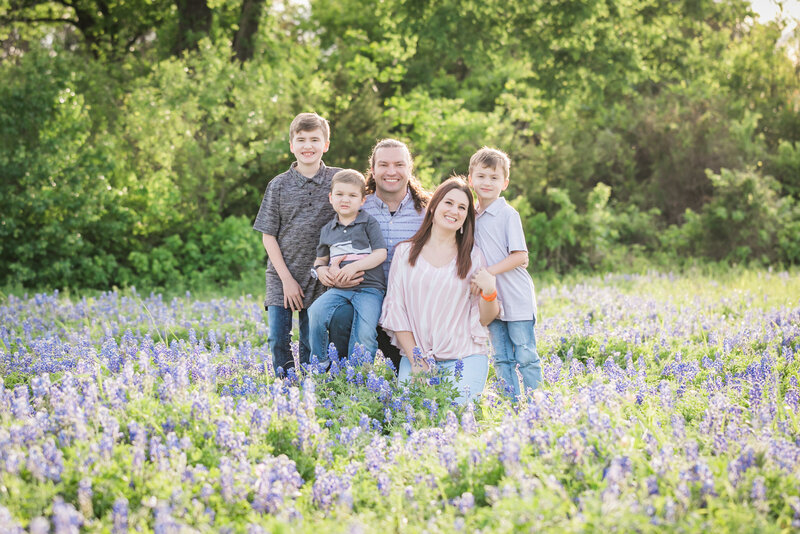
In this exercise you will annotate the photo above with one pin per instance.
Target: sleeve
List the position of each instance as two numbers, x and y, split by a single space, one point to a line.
323 249
515 234
374 234
394 316
268 220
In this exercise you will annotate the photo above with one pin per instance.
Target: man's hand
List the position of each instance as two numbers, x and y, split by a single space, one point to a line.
346 274
325 276
292 294
359 277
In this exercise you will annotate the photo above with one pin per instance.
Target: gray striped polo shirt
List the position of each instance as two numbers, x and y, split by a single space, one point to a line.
294 209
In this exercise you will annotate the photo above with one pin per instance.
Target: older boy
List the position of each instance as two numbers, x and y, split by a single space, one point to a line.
498 233
294 209
349 244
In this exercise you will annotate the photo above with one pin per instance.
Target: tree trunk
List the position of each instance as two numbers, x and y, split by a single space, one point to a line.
194 22
243 41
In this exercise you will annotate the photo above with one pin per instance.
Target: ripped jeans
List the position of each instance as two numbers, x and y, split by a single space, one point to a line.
514 342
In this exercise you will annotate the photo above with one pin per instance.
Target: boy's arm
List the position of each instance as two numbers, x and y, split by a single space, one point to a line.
517 258
373 259
292 292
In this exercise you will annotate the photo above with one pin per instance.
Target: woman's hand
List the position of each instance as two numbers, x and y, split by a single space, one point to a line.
485 282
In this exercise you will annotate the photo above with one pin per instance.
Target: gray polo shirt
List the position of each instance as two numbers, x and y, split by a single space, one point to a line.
396 227
498 233
353 242
293 210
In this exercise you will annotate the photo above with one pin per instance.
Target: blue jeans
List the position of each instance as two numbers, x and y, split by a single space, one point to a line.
366 304
280 336
473 377
514 342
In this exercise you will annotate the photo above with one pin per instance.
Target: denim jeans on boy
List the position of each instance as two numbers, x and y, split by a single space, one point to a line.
366 304
473 376
514 342
280 336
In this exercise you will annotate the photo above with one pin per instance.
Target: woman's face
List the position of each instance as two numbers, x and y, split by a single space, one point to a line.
451 212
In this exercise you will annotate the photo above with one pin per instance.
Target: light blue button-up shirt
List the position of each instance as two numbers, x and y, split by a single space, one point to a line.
396 228
498 233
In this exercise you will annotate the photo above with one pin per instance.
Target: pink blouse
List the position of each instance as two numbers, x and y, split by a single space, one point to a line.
435 305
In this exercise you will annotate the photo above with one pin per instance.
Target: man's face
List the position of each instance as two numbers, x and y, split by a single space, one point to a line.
308 146
391 170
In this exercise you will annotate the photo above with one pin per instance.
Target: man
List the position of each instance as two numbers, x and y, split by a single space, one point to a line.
397 200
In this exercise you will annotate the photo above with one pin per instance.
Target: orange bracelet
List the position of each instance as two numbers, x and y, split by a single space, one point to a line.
489 298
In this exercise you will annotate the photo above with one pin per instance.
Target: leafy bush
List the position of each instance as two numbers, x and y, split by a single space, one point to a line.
744 220
784 165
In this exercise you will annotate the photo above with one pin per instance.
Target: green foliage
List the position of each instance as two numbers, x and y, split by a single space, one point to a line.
744 219
64 223
784 165
134 152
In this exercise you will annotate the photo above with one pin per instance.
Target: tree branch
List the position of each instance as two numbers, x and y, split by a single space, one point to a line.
36 20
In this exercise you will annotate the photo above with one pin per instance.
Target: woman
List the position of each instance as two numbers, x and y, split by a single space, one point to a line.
429 303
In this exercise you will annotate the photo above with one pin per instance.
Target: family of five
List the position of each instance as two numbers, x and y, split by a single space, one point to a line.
379 262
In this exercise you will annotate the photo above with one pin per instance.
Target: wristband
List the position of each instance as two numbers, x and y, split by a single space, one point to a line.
490 297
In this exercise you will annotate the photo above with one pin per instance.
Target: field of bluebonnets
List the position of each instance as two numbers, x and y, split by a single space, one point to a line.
670 403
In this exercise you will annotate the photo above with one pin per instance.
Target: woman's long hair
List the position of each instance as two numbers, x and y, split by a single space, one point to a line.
464 239
418 193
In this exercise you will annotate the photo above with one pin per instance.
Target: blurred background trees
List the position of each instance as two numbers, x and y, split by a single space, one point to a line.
137 137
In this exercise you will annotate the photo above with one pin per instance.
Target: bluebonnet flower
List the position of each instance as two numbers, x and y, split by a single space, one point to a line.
85 497
432 406
758 492
652 485
66 519
276 480
794 503
119 516
164 522
459 369
38 525
468 424
330 489
9 523
384 484
465 502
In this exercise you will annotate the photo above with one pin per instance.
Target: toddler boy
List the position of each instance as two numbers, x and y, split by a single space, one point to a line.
350 243
498 233
294 209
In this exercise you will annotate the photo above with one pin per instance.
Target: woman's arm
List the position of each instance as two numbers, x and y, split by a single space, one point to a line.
407 343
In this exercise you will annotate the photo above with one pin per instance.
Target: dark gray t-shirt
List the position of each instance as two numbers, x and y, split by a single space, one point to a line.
293 210
353 242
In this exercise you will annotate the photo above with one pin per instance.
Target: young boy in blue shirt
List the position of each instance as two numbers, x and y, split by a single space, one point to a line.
351 243
499 235
294 209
